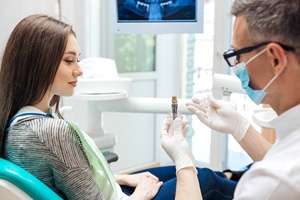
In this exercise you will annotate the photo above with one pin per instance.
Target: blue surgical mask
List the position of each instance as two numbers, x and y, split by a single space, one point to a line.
241 72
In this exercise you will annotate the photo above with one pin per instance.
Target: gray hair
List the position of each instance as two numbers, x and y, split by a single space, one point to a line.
271 20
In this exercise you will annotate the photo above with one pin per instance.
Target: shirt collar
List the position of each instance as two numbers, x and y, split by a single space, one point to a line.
286 122
27 111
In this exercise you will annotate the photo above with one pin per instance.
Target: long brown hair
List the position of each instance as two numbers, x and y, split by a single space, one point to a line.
29 64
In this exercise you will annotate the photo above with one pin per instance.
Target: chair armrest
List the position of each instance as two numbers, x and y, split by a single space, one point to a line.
26 181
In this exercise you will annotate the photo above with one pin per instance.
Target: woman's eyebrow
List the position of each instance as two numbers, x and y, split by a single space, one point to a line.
72 52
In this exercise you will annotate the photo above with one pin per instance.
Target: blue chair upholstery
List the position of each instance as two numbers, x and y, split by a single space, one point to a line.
28 183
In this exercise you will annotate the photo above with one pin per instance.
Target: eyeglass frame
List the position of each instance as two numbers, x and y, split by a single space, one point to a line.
227 55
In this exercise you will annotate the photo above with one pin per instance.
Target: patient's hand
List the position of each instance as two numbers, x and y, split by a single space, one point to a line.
133 180
147 188
146 184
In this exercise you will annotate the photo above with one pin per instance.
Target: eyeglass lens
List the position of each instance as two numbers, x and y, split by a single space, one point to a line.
234 59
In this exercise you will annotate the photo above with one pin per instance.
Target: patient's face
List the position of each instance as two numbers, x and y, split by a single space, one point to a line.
68 71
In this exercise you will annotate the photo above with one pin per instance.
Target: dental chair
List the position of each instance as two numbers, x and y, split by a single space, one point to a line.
18 184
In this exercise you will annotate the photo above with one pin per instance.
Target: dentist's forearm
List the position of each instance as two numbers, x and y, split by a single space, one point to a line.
255 144
187 184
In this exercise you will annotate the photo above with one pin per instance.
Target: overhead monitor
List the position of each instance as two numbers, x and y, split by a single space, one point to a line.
157 16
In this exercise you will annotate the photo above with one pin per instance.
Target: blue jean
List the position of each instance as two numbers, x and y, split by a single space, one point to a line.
214 185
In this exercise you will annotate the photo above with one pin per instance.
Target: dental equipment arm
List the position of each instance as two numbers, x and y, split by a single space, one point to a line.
142 105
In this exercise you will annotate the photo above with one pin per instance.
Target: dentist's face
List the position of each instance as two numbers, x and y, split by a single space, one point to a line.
66 77
257 67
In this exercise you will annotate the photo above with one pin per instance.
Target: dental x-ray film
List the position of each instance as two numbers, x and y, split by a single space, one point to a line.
157 10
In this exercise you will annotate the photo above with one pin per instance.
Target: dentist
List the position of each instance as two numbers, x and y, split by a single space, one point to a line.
265 56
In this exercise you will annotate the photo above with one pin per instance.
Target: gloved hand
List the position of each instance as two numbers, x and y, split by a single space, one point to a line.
173 141
219 116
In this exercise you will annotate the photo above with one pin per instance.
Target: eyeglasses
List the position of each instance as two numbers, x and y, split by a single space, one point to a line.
232 57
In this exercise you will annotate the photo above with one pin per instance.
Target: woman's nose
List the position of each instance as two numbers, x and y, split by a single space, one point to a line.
77 72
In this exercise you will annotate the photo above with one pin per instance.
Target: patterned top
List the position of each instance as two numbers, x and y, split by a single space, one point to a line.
48 149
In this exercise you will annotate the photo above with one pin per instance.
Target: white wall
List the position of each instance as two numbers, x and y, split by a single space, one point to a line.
12 11
84 16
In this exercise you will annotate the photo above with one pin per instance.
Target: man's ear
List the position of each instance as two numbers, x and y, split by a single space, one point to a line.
278 57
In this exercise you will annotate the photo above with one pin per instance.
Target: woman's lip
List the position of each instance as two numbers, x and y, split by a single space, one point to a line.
74 84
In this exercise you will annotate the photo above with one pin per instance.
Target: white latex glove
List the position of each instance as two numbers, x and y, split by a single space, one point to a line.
173 141
219 116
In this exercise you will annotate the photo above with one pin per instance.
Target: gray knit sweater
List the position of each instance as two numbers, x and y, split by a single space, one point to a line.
48 149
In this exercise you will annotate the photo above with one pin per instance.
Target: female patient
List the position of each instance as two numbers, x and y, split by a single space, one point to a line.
40 64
